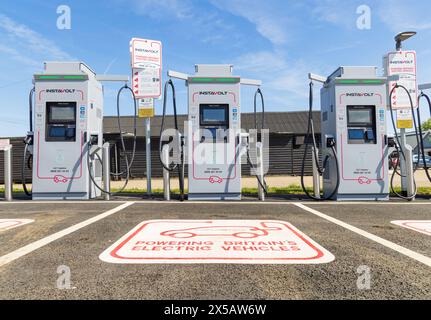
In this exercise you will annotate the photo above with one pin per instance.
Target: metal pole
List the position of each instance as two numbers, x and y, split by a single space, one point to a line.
116 162
403 168
166 180
259 173
148 153
8 173
106 170
316 175
406 167
410 184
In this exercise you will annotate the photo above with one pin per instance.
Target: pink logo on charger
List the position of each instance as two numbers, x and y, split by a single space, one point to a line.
60 179
215 179
364 180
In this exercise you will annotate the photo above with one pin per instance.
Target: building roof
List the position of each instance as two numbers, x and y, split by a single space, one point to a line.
276 122
412 141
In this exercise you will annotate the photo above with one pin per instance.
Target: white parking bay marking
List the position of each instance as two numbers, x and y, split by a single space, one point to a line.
400 249
216 241
7 224
422 226
14 255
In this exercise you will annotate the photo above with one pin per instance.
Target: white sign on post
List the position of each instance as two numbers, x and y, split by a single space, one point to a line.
403 64
216 241
146 53
404 119
4 144
147 83
146 108
146 59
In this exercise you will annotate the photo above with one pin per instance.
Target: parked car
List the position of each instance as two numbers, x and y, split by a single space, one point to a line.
420 161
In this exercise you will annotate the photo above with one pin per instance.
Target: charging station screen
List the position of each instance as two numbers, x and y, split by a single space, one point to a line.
217 114
57 132
356 134
62 112
360 115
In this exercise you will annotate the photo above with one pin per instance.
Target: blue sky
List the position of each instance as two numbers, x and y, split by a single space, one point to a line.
277 41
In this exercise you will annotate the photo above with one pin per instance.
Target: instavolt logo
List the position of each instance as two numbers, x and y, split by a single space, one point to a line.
147 50
358 94
60 90
213 93
401 62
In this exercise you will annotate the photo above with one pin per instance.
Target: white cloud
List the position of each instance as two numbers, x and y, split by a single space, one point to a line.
25 45
180 9
397 15
270 22
401 15
285 81
336 12
18 56
207 25
262 61
347 46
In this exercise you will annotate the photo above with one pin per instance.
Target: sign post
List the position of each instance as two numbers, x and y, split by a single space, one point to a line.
147 85
403 64
6 147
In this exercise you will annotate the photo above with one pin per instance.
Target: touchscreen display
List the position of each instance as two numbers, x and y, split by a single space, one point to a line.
214 113
62 112
361 115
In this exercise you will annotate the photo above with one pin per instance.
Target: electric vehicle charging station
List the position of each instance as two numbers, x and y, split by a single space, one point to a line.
354 136
213 139
353 105
66 144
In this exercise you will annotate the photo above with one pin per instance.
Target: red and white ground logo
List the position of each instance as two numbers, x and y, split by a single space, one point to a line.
422 226
216 241
6 224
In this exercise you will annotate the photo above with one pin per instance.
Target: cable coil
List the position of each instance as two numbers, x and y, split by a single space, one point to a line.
181 165
311 133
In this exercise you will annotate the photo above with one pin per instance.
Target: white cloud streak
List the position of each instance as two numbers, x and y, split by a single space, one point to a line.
402 15
284 80
25 45
270 22
158 9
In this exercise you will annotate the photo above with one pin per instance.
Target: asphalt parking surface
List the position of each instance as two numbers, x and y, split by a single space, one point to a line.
49 218
393 275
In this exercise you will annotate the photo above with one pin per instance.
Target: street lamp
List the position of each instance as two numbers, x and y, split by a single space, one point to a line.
400 37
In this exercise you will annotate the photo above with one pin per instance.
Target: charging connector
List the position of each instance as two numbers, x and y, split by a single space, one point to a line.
330 142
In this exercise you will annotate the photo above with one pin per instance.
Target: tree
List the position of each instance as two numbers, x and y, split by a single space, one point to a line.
426 125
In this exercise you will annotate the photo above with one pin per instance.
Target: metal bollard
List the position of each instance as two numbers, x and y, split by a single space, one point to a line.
259 173
166 179
106 170
316 175
409 171
8 173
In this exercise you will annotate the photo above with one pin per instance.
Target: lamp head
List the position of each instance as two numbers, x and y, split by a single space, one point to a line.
400 37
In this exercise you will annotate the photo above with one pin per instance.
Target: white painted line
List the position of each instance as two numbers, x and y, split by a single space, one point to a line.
281 202
61 202
47 240
400 249
382 203
216 241
422 226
